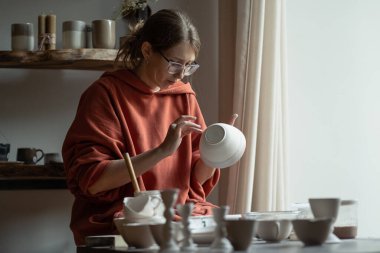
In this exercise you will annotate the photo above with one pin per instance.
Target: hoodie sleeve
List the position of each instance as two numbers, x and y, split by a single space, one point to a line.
92 141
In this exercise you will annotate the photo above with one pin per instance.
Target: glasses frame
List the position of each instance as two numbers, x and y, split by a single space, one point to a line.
187 70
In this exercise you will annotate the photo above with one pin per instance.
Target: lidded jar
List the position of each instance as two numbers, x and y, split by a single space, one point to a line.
346 225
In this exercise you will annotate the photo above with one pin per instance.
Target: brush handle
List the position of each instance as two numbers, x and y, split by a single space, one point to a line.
131 172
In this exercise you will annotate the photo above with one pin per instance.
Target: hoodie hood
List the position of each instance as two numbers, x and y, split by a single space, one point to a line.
131 79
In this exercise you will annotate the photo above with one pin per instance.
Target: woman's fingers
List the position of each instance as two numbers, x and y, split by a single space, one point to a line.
186 127
183 118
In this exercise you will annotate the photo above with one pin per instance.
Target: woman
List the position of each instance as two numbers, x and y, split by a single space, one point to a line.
143 109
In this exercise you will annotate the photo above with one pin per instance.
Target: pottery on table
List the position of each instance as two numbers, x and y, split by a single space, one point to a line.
138 235
143 209
240 233
326 208
273 230
221 145
312 231
157 230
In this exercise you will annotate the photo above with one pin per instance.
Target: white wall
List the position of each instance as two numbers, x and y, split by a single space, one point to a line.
38 106
334 105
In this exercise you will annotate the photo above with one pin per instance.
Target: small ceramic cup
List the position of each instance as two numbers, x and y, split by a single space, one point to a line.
22 37
241 233
312 231
103 33
142 209
52 158
274 230
73 34
4 151
29 155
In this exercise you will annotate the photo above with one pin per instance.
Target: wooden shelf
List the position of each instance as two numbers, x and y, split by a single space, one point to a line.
34 177
82 59
31 171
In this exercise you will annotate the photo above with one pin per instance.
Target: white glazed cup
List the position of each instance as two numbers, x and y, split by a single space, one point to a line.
143 208
274 230
156 200
103 33
221 145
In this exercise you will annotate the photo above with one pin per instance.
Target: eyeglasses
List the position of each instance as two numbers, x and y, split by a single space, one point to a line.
175 67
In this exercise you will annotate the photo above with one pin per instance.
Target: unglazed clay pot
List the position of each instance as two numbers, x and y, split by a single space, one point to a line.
241 233
221 145
312 231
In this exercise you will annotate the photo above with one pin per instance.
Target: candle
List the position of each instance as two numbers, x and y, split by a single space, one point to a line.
41 30
51 31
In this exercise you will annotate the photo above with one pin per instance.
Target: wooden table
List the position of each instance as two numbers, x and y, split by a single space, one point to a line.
346 246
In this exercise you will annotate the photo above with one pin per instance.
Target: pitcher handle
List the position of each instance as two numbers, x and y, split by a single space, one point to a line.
42 155
277 229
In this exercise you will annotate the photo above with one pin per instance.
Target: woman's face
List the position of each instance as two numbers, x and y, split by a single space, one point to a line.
154 69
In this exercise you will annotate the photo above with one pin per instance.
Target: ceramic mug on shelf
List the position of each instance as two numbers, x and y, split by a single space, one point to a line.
29 155
52 158
103 33
4 151
22 37
74 34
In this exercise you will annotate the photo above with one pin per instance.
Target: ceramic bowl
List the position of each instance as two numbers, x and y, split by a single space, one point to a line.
274 230
221 145
138 235
241 233
312 231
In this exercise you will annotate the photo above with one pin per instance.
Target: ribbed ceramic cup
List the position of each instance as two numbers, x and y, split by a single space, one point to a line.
103 33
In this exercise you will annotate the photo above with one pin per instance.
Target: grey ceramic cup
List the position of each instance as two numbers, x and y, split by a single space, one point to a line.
29 155
103 33
74 34
22 37
52 158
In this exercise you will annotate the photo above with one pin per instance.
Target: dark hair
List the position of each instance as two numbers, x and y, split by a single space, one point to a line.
163 30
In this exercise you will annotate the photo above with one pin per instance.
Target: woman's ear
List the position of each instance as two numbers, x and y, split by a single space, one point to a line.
146 50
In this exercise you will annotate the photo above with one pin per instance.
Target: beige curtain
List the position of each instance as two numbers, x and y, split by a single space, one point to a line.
253 68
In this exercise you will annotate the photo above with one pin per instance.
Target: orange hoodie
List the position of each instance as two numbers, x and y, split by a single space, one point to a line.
118 114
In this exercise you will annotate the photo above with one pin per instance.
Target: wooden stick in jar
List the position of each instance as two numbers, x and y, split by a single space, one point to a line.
131 172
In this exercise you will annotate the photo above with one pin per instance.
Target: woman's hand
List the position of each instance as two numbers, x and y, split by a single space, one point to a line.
181 127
